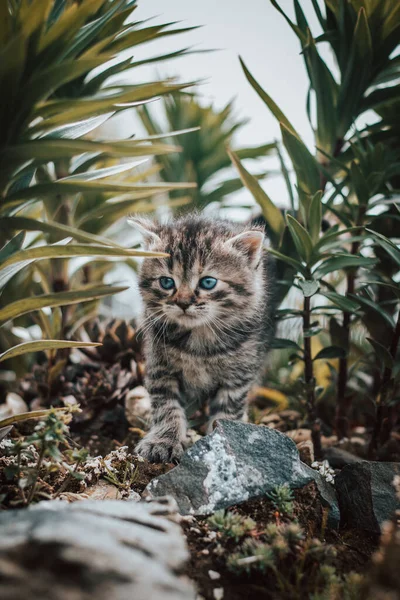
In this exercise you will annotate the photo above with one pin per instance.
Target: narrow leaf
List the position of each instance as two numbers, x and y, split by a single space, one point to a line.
21 307
40 345
330 352
301 239
272 214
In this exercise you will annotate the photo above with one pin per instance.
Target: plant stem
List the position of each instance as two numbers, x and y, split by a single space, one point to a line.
67 479
343 402
385 414
310 380
38 466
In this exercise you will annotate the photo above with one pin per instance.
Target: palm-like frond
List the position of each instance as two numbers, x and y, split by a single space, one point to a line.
61 64
203 156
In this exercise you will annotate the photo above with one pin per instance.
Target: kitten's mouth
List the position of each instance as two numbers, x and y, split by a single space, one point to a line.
189 319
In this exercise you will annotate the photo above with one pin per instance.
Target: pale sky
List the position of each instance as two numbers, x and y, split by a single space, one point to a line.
271 51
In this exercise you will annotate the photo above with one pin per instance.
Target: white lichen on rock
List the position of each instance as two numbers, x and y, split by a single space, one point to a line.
224 482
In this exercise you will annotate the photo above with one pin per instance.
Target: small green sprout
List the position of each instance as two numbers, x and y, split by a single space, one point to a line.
282 499
231 524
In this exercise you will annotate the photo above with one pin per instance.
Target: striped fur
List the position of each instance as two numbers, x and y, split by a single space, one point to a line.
211 352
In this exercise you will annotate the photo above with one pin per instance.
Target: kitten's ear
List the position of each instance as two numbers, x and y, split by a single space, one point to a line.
250 243
146 228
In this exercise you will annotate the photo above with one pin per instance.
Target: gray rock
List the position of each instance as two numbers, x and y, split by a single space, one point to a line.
238 462
92 549
366 494
339 458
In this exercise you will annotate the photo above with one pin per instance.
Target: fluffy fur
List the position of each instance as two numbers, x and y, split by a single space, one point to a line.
201 346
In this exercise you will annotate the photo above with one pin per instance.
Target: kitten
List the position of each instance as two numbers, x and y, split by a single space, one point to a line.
207 324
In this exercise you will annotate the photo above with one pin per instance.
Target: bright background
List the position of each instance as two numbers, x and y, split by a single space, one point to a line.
260 35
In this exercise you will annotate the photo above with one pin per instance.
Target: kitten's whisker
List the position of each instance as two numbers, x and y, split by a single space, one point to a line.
153 321
209 323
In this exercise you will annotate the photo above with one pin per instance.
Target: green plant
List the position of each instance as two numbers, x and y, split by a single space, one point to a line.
231 524
203 158
27 455
59 60
346 274
295 566
127 478
282 499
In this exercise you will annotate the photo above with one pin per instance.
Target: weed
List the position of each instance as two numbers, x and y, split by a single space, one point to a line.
282 499
231 524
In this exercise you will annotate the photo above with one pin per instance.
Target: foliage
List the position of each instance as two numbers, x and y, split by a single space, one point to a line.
203 158
346 273
231 524
295 566
28 456
282 499
61 64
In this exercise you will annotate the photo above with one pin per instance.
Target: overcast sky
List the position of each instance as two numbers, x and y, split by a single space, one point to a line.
260 35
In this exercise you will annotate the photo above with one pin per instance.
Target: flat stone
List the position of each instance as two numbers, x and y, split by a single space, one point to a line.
235 463
366 494
92 549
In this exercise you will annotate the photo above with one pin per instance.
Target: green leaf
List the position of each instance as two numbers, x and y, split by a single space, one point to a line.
276 111
41 345
330 352
386 244
369 304
301 239
81 186
283 343
25 223
21 307
304 163
360 184
298 31
329 239
341 302
343 261
357 74
312 331
315 217
46 81
272 214
34 414
72 250
288 260
382 353
12 246
255 151
308 287
326 91
46 149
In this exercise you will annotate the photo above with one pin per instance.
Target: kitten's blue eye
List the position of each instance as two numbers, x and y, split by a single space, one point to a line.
208 283
167 283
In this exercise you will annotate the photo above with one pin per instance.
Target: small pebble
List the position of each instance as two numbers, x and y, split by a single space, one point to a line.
214 575
195 530
188 519
218 593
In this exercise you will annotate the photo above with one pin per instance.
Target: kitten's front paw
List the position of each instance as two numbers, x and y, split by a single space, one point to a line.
160 450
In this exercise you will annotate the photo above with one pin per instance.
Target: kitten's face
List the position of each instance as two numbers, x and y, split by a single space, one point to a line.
212 272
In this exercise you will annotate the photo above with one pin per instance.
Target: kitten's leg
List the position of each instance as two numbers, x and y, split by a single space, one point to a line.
229 403
164 442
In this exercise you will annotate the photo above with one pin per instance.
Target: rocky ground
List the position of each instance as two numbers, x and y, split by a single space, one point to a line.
260 517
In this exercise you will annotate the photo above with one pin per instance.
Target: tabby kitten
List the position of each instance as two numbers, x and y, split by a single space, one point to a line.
207 323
